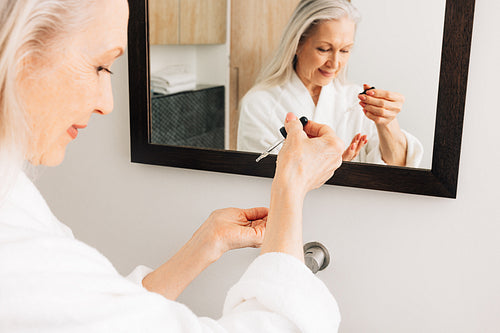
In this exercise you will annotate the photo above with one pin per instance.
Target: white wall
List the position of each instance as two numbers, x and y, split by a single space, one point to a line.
401 263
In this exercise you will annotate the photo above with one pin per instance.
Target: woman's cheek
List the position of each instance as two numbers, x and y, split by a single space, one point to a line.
346 59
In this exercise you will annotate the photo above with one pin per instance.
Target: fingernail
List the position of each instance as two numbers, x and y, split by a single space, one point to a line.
370 92
362 97
362 104
290 117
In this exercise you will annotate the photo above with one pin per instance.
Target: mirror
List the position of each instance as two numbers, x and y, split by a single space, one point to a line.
409 64
440 179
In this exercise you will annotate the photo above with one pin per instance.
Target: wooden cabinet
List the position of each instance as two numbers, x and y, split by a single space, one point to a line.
256 29
163 22
187 22
203 22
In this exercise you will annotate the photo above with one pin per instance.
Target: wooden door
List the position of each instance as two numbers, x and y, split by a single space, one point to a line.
163 22
256 28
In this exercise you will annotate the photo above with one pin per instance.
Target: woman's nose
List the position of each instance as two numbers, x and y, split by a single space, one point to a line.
105 101
332 61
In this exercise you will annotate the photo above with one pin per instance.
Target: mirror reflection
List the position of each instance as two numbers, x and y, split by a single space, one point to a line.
201 71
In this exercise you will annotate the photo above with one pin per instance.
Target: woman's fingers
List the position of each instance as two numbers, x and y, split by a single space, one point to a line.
361 143
379 112
381 103
349 154
256 213
315 130
372 117
381 99
233 228
256 232
390 96
309 156
381 106
357 143
293 126
312 129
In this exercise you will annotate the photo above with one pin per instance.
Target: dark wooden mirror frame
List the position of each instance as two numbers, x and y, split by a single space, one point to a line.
440 181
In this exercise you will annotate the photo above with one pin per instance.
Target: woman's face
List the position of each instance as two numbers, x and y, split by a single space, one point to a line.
325 53
61 92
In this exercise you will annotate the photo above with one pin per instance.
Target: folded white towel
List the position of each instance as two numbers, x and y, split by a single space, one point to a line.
173 79
162 88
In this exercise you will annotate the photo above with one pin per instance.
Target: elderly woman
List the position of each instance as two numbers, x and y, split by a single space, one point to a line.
307 77
55 72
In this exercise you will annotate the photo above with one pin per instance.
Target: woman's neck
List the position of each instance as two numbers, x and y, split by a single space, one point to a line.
314 90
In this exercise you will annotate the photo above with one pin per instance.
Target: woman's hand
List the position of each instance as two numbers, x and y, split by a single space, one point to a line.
381 106
310 155
225 229
232 228
358 142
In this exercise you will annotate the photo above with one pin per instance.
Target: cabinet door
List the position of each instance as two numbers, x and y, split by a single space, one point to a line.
203 22
163 22
256 29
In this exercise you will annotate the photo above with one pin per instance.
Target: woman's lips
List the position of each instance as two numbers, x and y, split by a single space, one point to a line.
326 74
73 130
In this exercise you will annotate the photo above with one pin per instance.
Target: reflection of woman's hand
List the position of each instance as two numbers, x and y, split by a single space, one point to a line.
358 142
309 156
381 106
232 228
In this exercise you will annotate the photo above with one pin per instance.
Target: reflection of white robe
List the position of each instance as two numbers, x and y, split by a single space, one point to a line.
51 282
263 113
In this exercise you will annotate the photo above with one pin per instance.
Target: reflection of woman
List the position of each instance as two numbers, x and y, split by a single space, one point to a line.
54 74
307 77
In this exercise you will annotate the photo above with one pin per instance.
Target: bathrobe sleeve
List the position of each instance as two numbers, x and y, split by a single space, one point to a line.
371 152
57 284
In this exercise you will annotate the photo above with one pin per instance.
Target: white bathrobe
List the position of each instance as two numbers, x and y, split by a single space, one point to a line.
51 282
263 112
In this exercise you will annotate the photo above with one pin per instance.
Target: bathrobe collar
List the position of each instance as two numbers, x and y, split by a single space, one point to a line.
25 199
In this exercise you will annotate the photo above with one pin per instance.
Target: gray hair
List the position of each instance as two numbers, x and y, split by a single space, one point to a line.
29 28
303 23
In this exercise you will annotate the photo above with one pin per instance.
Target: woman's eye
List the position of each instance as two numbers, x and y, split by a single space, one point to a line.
102 68
322 50
345 51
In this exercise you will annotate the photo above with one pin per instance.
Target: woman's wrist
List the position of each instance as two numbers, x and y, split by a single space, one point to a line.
393 143
171 278
206 243
392 132
288 184
284 224
389 129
